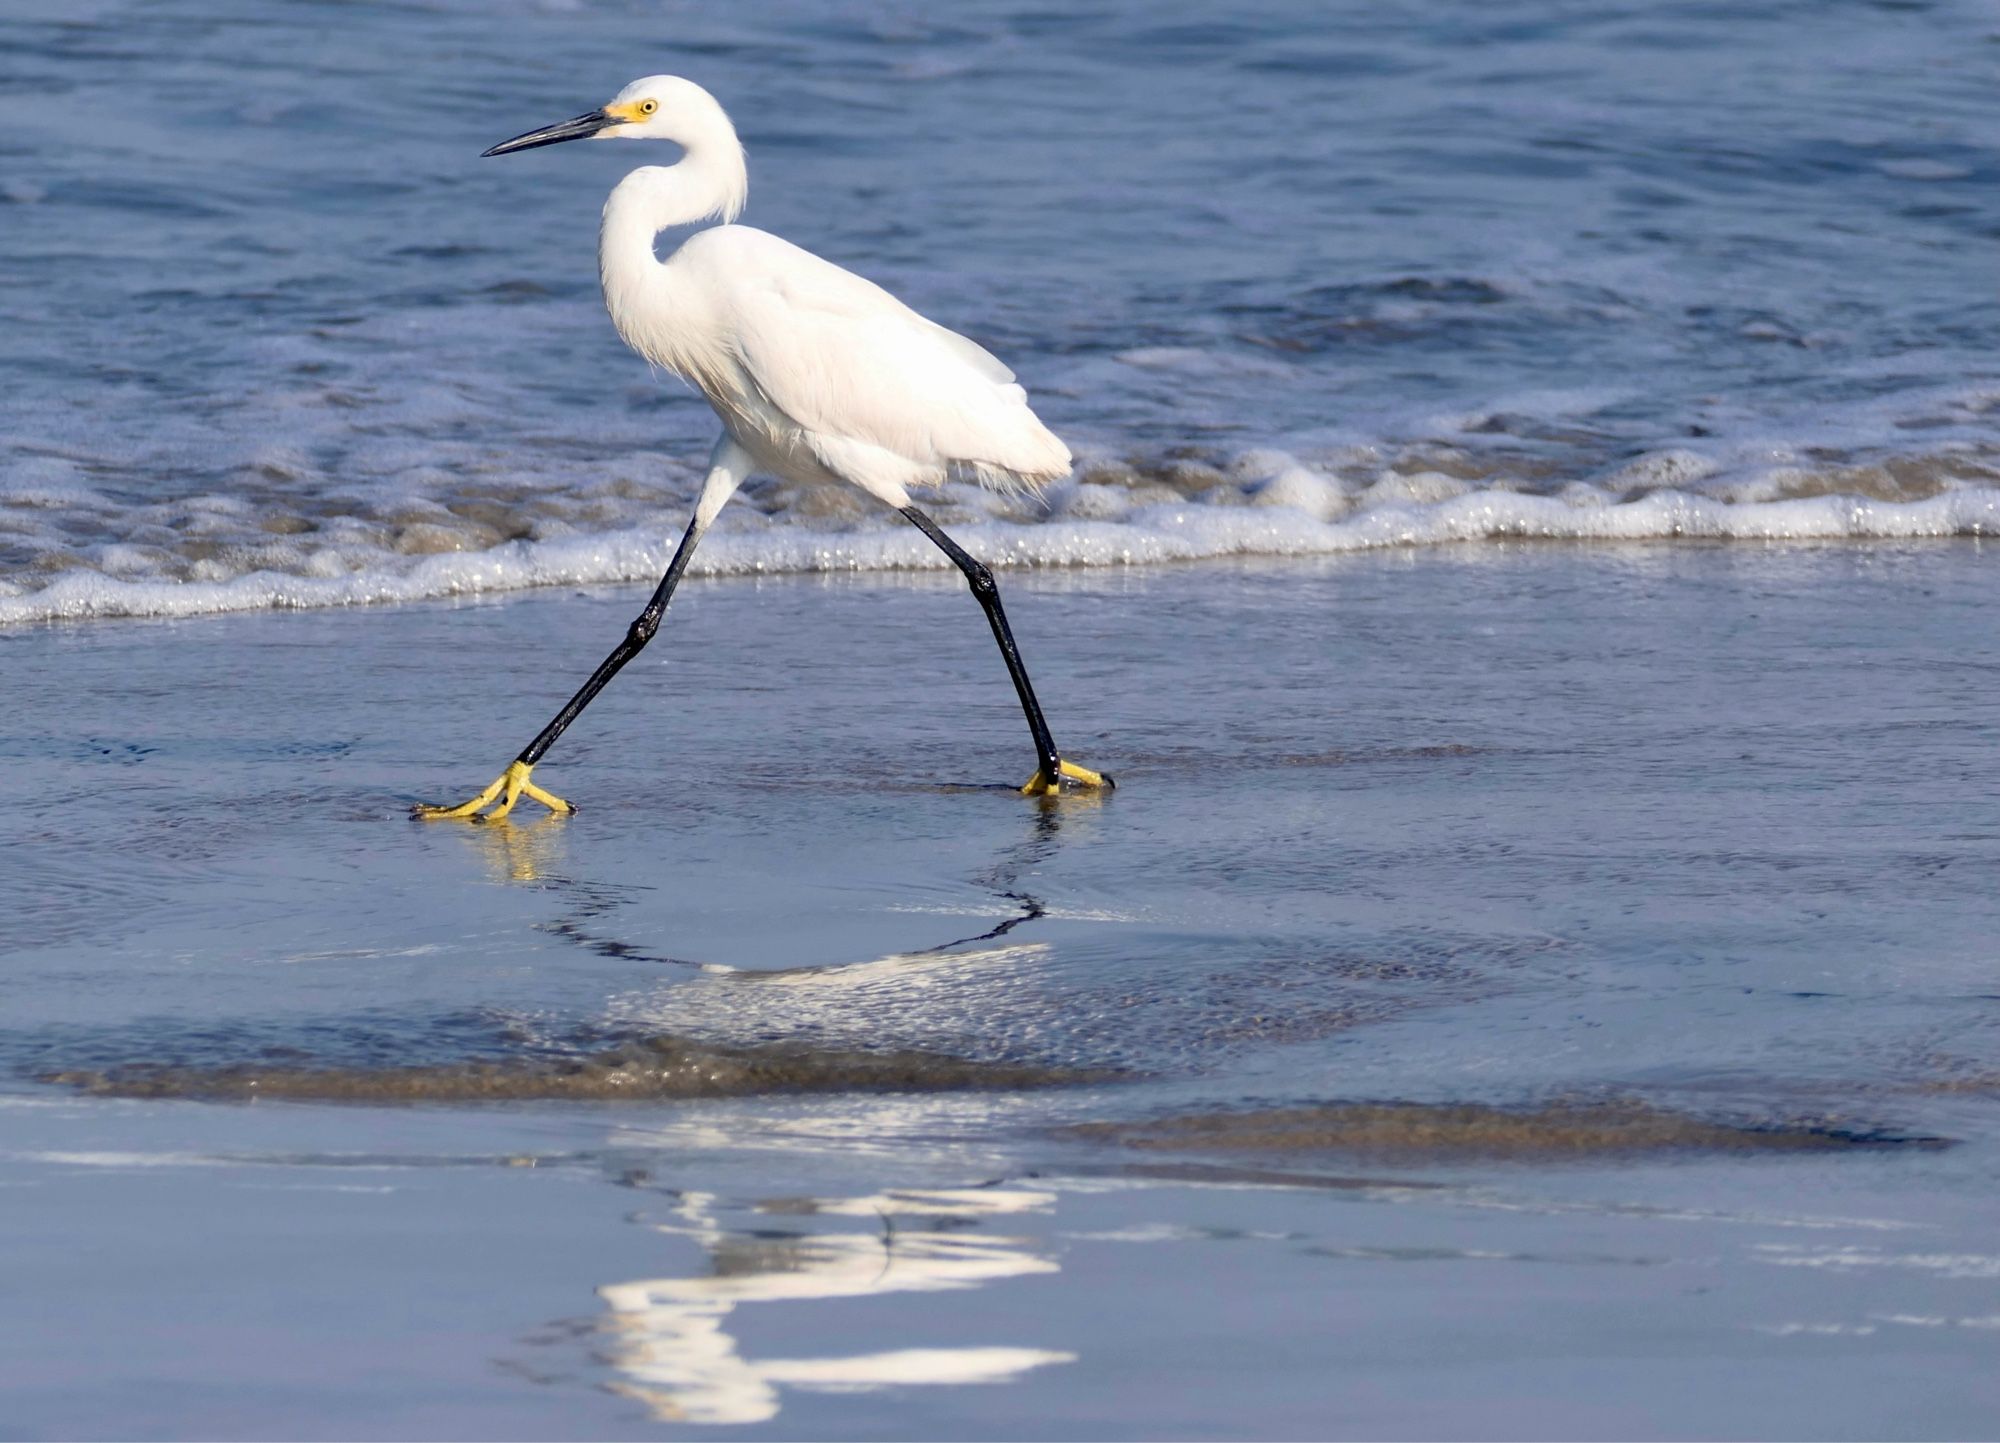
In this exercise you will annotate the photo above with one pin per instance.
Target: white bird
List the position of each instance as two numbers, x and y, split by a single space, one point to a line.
816 374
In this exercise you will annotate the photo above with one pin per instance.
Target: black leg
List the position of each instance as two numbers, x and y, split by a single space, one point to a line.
636 636
514 782
728 465
980 578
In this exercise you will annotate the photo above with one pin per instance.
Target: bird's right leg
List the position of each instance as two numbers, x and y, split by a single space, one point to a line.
726 471
1054 774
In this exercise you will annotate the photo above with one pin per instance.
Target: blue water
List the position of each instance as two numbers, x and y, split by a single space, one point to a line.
1300 279
1666 820
1707 833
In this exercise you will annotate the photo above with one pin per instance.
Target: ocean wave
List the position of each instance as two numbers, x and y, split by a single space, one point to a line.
232 556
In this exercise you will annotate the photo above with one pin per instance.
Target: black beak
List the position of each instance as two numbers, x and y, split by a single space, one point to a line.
582 127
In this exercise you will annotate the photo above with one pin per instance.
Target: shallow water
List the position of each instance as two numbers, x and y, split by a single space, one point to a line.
1532 992
1301 279
1518 989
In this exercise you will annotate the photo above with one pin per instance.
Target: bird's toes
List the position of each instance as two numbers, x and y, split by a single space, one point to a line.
1067 777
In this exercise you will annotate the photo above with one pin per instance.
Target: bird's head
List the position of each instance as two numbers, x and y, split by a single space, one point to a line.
660 107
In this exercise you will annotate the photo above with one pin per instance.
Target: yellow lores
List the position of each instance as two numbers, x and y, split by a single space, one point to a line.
818 377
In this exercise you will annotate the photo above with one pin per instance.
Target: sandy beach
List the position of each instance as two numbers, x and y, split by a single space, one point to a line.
1513 992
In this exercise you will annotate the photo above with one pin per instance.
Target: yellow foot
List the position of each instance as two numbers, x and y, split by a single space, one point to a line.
1068 775
513 782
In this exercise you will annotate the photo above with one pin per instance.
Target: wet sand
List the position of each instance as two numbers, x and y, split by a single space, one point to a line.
1432 1131
1533 993
655 1069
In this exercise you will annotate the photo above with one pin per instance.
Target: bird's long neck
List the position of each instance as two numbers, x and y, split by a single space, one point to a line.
710 181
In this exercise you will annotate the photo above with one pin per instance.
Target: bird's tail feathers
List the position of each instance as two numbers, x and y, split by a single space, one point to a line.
1034 457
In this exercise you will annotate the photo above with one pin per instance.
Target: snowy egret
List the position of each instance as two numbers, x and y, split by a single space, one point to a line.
816 374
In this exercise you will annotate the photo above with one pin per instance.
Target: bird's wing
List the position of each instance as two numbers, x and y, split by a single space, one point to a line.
967 349
842 358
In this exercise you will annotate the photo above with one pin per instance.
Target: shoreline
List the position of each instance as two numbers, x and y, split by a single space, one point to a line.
271 593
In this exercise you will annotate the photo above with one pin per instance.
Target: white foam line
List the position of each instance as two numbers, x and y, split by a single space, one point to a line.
124 1159
1816 1330
1161 533
1949 1265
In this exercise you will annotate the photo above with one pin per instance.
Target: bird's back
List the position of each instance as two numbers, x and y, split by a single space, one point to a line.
817 369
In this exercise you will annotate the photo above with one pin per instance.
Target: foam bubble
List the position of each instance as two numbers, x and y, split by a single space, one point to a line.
1295 512
409 529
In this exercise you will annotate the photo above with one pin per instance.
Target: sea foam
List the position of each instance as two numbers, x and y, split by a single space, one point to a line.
1266 504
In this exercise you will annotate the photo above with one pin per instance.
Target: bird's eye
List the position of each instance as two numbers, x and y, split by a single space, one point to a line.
647 107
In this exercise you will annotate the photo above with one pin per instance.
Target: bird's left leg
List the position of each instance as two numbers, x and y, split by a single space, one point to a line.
1054 773
727 469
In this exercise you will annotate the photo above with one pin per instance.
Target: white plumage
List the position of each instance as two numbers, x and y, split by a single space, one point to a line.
818 374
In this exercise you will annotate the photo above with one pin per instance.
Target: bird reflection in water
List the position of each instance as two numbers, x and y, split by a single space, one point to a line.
670 1338
536 855
521 854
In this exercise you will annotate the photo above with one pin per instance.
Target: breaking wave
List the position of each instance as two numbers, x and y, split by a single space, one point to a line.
247 552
